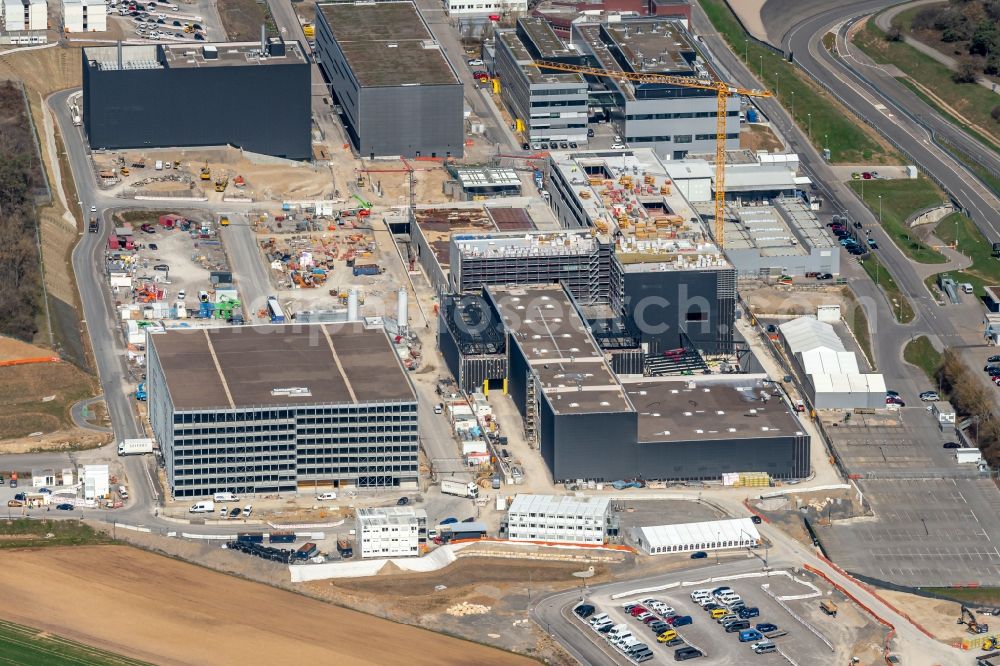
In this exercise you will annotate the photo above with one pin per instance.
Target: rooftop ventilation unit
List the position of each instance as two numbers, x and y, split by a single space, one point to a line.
294 391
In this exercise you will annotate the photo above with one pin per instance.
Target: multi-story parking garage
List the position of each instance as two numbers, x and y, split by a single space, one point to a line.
272 408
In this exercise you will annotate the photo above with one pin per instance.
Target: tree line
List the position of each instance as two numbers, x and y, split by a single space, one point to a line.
20 270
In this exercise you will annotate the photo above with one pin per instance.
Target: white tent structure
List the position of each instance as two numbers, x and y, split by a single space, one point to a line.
833 376
691 537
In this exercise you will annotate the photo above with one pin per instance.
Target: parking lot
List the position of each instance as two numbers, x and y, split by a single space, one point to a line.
168 21
710 637
933 517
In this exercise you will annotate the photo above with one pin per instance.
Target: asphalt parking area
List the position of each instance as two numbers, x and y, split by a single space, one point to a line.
707 635
928 532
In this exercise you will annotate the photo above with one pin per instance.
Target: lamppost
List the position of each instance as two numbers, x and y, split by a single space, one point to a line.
793 106
746 45
761 71
776 82
809 117
879 208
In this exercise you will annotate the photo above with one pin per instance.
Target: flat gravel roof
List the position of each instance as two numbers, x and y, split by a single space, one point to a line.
248 366
387 44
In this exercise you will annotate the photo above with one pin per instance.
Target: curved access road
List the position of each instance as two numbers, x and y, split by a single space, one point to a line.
896 112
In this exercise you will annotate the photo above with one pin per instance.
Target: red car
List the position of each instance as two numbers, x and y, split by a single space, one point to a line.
637 610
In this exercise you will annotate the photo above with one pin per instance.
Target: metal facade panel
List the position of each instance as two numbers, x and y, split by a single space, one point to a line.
412 121
263 109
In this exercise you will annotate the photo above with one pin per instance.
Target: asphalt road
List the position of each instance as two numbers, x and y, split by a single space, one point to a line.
877 102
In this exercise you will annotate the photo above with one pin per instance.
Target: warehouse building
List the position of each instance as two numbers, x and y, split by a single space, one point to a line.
398 92
675 121
668 279
547 105
167 95
780 238
592 424
691 537
833 377
21 15
394 531
586 520
85 16
270 409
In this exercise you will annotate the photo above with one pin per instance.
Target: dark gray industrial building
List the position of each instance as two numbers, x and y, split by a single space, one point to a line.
266 409
249 95
397 92
590 423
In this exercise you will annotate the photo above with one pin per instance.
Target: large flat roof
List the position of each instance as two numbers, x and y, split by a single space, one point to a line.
438 224
571 368
685 408
249 366
190 55
547 42
387 44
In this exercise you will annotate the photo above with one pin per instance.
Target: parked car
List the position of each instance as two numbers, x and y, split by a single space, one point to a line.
584 610
590 133
766 627
247 510
65 507
572 144
680 620
476 62
683 654
748 612
930 396
894 400
951 445
824 276
234 512
756 520
699 555
872 244
402 501
993 359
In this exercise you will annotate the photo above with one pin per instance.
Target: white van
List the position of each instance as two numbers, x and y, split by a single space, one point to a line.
203 507
123 492
226 497
326 496
159 165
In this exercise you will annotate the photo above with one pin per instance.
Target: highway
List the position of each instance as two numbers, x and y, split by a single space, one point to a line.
896 117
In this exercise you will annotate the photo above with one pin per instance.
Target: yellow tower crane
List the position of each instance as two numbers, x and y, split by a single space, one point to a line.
723 92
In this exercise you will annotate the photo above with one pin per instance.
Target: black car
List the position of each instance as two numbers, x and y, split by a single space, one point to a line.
564 145
199 37
685 653
402 501
177 23
584 610
699 555
771 328
525 146
824 276
993 359
154 247
572 144
990 368
756 520
470 519
65 507
857 225
951 445
659 627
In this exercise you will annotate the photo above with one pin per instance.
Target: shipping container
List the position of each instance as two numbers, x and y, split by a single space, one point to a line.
281 537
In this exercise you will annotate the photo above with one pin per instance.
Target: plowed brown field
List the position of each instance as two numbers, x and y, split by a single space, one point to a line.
164 611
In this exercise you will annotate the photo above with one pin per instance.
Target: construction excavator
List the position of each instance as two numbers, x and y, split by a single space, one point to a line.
723 92
967 618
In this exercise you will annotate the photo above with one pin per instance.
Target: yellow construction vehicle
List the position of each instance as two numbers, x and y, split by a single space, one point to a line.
224 221
221 183
206 173
125 171
723 92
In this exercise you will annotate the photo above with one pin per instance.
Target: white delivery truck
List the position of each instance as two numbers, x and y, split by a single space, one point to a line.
129 447
459 487
203 507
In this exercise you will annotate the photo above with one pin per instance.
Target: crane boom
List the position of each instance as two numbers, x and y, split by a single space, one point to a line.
722 90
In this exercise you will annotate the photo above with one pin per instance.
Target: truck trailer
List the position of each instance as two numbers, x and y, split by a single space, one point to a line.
132 447
459 487
345 548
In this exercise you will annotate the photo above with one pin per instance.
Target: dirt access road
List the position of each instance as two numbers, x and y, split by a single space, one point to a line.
168 612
